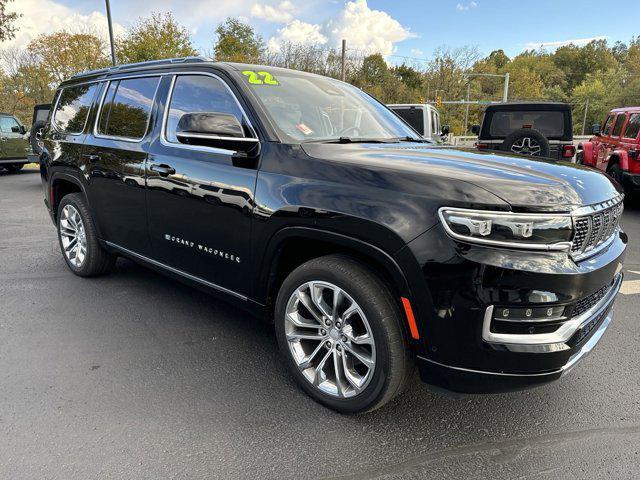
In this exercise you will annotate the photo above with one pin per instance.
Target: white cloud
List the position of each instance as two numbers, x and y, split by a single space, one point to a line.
48 16
561 43
367 30
297 32
417 51
282 13
463 7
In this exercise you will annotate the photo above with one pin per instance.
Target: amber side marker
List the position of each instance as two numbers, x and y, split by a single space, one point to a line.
413 328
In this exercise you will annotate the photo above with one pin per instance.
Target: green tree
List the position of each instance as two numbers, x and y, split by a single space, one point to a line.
237 42
154 38
7 22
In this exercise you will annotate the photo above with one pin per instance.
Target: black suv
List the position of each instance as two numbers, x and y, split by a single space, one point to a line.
538 129
305 200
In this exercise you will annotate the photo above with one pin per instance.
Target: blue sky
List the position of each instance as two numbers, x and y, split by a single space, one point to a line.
400 27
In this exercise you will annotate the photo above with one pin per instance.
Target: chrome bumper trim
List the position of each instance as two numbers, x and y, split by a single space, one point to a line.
573 360
547 342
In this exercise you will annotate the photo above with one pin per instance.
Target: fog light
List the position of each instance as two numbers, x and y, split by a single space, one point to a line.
529 314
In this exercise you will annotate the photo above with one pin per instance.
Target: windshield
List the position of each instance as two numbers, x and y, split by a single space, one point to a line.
306 108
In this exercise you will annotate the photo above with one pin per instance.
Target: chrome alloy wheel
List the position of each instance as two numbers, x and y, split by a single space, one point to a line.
73 236
526 146
330 339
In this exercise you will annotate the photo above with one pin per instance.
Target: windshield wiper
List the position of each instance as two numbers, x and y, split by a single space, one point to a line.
412 139
354 140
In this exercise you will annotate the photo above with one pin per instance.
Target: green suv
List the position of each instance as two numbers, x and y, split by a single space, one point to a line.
14 143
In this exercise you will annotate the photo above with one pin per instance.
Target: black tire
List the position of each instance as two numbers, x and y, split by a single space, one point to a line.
394 363
580 157
522 134
34 135
14 167
615 172
97 260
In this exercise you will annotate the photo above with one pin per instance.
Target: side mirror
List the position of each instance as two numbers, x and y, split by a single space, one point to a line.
595 129
445 130
19 129
214 129
475 129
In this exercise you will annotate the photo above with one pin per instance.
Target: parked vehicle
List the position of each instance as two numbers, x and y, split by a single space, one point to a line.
614 147
539 129
14 145
423 118
303 199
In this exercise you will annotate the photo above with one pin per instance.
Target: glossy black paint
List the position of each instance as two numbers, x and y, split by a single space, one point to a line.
227 223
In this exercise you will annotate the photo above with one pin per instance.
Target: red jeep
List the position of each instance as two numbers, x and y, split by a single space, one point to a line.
615 147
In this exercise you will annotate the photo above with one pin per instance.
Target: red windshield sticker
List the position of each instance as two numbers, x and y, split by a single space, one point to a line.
304 129
527 125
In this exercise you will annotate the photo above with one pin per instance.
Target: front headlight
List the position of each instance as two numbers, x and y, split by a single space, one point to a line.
506 229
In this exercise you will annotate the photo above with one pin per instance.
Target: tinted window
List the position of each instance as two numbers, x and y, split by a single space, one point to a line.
617 128
435 123
9 125
549 123
607 125
127 107
633 127
198 93
73 107
413 116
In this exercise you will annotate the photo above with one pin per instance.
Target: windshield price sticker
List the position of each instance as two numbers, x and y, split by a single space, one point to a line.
260 78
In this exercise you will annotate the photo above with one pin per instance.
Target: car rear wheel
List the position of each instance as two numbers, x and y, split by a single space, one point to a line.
341 333
78 239
14 167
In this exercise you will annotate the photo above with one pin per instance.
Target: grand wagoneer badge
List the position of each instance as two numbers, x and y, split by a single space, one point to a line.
202 248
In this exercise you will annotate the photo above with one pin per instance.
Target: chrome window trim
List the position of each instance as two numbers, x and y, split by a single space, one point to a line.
165 116
55 108
547 342
97 134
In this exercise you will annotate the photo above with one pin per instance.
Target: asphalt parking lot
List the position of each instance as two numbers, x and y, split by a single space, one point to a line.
134 375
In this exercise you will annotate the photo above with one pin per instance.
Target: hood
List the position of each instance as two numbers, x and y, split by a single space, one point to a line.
525 184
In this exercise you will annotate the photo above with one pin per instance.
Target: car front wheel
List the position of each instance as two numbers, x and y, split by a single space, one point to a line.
340 330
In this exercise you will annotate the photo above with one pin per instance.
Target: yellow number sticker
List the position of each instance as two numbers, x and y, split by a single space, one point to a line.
254 78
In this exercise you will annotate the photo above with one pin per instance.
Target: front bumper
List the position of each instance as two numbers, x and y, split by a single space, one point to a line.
468 380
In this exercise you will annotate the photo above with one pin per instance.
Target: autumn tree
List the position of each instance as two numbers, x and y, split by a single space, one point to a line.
63 54
237 42
7 22
154 38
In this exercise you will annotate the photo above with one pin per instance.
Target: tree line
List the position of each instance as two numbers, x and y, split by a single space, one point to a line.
593 78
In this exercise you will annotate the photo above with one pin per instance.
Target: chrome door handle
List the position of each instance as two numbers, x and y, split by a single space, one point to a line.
163 170
91 157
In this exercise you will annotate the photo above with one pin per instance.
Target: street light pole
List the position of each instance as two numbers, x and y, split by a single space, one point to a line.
505 94
344 59
113 49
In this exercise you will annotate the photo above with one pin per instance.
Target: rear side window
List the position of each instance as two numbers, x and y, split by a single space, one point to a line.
9 125
607 125
549 123
199 93
413 116
633 127
127 107
73 107
617 127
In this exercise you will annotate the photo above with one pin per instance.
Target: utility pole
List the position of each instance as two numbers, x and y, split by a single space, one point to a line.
584 119
344 58
505 94
466 111
113 49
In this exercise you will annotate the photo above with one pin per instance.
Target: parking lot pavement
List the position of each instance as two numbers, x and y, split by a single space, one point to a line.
134 375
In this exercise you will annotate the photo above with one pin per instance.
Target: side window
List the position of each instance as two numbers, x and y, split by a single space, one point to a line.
607 125
633 127
73 107
617 128
199 93
127 107
9 125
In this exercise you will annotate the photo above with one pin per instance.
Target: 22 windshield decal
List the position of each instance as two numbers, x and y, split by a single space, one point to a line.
260 78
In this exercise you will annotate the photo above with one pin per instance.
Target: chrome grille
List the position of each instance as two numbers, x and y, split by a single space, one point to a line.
596 226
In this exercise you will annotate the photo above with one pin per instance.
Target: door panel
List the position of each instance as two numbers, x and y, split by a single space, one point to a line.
115 154
199 203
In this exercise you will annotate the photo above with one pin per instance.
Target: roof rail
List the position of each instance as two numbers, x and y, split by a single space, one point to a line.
149 63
